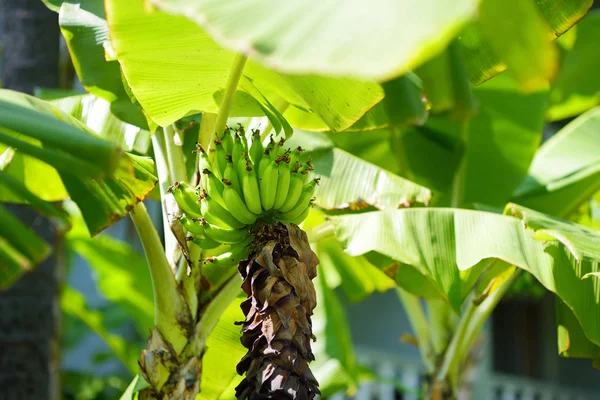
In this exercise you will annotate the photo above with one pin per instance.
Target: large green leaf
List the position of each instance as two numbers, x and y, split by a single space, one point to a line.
441 242
174 68
96 114
121 276
519 35
44 135
224 351
73 303
357 277
566 169
485 60
335 367
501 140
83 24
103 202
577 87
368 184
375 40
572 341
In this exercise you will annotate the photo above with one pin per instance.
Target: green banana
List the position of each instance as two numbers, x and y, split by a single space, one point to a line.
219 161
242 132
227 140
296 155
203 161
250 189
238 149
214 214
256 149
268 156
268 185
298 220
227 236
283 184
186 198
228 259
231 175
236 206
205 243
213 186
294 191
192 226
303 202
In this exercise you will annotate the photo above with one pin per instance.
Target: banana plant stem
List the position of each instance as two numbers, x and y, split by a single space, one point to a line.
175 156
235 73
419 324
169 307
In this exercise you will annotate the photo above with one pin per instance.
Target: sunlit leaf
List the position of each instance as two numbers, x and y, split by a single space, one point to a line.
483 63
577 87
174 68
572 341
385 39
83 24
441 242
97 115
519 35
367 184
566 169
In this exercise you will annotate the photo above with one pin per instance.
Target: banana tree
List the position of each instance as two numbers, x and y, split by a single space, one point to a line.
387 178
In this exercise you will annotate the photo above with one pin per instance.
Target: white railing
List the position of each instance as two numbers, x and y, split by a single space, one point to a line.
495 387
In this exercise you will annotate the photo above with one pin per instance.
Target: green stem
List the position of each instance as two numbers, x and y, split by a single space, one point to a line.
235 73
212 313
175 157
438 316
321 231
458 183
482 313
169 307
164 181
420 326
207 127
452 351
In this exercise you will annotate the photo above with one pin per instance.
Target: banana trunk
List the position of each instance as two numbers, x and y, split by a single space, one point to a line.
277 330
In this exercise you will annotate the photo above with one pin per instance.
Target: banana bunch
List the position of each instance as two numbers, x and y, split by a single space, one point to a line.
241 183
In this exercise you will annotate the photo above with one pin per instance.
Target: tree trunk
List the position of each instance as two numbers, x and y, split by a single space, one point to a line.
29 311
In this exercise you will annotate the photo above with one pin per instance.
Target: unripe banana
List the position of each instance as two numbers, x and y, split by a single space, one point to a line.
219 161
214 186
231 175
294 192
203 161
268 156
268 186
227 236
205 243
242 133
250 189
303 202
214 214
296 155
256 149
302 216
283 184
192 226
236 206
228 259
186 198
227 140
238 150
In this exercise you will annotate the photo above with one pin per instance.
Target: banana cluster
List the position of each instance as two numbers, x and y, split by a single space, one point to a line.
242 183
